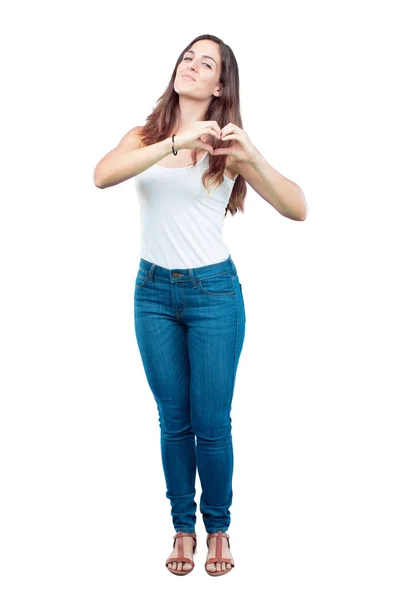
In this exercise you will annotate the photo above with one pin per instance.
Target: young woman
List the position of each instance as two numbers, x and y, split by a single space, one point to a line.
188 302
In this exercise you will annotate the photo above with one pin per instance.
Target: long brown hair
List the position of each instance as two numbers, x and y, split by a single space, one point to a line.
223 109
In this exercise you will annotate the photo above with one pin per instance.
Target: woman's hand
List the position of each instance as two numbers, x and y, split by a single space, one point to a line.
192 136
242 150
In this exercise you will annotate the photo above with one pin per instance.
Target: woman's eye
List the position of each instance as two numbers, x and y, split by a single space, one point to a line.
189 57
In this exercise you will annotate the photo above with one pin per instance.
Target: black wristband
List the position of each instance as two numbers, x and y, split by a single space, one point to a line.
175 153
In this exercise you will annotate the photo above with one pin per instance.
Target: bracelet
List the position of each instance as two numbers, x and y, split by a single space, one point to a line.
175 153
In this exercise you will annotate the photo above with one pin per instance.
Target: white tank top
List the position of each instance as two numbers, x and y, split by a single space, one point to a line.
181 224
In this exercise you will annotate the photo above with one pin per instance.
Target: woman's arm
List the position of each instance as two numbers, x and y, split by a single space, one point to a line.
282 193
129 159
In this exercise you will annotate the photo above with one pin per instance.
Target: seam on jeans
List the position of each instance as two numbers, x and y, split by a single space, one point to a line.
236 343
214 275
178 314
216 293
183 302
195 278
145 280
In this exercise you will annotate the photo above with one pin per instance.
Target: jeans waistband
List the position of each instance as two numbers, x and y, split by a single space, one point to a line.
152 270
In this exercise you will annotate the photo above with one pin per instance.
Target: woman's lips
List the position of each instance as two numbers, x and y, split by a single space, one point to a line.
187 77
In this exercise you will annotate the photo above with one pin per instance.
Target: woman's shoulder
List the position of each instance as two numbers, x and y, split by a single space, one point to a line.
130 141
137 134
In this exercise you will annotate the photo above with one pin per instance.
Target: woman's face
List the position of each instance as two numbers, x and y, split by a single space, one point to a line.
198 75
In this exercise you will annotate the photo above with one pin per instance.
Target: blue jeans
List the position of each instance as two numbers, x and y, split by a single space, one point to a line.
190 327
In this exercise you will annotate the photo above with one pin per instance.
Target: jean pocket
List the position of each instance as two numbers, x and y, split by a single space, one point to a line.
141 279
217 285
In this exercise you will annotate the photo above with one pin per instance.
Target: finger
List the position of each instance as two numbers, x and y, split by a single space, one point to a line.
229 126
215 126
222 151
214 133
209 149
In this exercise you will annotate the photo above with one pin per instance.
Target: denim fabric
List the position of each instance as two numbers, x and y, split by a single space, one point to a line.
190 327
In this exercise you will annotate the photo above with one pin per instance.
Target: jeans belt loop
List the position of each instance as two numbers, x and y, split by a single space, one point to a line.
192 278
153 266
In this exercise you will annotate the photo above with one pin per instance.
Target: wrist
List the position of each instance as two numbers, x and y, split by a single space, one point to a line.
175 144
168 145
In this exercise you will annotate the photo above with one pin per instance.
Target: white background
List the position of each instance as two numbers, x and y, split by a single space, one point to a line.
315 511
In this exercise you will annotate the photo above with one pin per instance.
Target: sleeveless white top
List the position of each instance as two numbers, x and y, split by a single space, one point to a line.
181 223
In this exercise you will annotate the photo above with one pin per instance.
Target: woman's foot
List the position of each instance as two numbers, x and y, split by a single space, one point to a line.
188 544
226 553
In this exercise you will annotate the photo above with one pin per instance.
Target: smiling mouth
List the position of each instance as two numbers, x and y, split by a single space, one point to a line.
187 77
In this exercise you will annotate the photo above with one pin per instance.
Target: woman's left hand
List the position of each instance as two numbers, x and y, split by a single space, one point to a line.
242 150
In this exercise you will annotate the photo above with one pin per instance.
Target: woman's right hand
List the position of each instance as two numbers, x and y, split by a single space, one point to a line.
191 136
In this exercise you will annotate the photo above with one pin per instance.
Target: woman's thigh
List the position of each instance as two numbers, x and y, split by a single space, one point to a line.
215 342
163 346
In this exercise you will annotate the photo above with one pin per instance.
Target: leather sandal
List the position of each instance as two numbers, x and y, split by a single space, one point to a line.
218 554
180 557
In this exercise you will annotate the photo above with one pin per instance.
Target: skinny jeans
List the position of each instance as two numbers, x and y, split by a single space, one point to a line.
190 328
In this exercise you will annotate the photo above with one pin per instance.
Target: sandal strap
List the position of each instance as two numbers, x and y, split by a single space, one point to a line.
182 534
219 536
218 550
181 557
220 559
